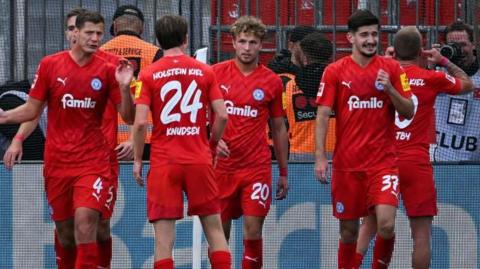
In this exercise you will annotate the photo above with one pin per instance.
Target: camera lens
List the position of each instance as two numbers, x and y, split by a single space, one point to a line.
447 51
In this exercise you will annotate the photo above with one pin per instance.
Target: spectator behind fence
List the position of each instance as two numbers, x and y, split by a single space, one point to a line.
127 28
287 61
287 65
300 93
458 116
417 187
365 90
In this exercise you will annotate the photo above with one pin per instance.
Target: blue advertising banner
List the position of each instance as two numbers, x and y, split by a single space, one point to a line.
300 231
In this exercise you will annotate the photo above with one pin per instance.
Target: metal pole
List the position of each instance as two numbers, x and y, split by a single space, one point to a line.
334 32
437 20
25 45
11 75
277 25
219 27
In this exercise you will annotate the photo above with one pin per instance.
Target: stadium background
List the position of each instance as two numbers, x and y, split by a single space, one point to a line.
300 232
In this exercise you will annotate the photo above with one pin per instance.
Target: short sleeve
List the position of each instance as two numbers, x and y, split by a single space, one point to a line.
143 91
214 92
445 83
327 88
399 80
276 106
39 89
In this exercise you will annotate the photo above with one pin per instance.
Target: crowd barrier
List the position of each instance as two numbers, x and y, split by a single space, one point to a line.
300 231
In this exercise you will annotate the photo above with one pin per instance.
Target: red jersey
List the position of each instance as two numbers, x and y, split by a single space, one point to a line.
76 97
414 136
110 123
250 100
365 115
178 90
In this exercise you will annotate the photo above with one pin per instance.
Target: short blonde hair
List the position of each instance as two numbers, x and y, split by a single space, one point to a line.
249 24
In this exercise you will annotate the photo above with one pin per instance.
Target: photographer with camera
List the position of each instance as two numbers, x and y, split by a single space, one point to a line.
458 116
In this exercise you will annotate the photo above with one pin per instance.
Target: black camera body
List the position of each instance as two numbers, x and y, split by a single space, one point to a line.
452 51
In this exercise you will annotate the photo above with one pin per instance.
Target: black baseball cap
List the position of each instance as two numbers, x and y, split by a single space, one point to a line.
126 10
300 31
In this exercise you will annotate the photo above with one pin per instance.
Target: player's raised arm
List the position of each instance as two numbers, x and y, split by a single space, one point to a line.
321 128
434 56
124 75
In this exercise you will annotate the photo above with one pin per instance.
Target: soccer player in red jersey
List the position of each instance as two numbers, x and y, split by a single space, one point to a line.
109 128
364 90
76 85
413 137
253 95
180 91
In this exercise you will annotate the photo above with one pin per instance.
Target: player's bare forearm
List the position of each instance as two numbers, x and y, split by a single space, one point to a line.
27 128
280 141
126 107
220 121
457 72
433 55
26 112
404 106
139 131
321 128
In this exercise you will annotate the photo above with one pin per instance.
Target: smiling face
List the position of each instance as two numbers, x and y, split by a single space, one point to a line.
247 47
89 37
365 40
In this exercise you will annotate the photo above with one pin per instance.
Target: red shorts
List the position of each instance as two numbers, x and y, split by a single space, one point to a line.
165 187
417 189
112 191
70 188
354 194
245 192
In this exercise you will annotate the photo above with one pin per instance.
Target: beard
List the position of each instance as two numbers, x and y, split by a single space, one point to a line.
248 60
368 54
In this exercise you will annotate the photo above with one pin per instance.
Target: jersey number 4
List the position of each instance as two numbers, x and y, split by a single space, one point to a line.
189 103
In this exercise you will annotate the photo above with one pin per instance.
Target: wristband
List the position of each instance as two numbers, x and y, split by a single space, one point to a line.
283 171
444 61
19 137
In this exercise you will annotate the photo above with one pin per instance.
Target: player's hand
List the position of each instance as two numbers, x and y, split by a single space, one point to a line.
321 168
13 154
282 188
222 149
124 73
383 81
137 172
125 151
432 55
390 52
